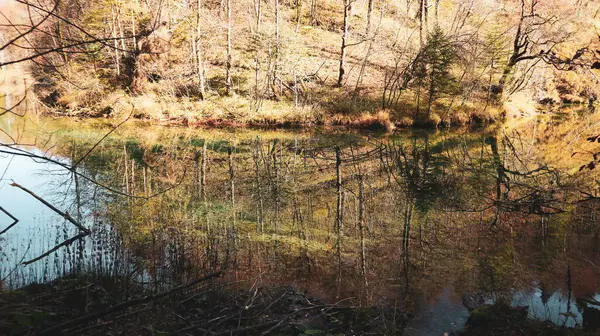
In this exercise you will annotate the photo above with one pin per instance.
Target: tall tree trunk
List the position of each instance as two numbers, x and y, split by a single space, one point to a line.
520 45
369 14
426 16
313 12
347 5
298 14
120 26
258 10
115 41
423 21
437 13
198 49
228 64
257 95
276 61
421 27
133 32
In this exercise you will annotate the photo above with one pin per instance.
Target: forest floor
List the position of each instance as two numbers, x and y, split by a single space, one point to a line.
101 306
92 305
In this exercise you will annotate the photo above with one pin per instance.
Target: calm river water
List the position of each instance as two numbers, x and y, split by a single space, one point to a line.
430 222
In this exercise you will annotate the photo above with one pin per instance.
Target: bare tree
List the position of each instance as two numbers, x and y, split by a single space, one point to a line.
536 37
345 29
198 49
228 62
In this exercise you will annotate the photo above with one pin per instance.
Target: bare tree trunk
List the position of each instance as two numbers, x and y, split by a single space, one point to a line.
133 31
520 45
298 14
228 64
369 14
276 61
120 25
426 16
257 95
313 12
258 14
116 41
369 51
437 12
198 50
347 6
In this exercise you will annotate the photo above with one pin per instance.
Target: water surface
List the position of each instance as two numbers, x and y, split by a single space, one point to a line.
424 221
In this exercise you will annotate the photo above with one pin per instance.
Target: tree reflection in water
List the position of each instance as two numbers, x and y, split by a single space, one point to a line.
417 220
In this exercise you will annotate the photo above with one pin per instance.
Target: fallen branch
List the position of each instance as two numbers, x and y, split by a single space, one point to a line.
65 215
11 216
123 305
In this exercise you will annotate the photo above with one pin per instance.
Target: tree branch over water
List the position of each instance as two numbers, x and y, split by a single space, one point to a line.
12 217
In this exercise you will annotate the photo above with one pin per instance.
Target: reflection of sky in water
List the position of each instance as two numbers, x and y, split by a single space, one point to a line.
556 308
445 315
39 228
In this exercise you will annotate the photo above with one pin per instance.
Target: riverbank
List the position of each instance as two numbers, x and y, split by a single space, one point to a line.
501 319
336 108
101 305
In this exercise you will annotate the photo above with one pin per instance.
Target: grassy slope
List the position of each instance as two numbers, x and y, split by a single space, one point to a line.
306 51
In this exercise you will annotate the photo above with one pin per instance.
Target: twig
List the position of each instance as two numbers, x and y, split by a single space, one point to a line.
123 305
